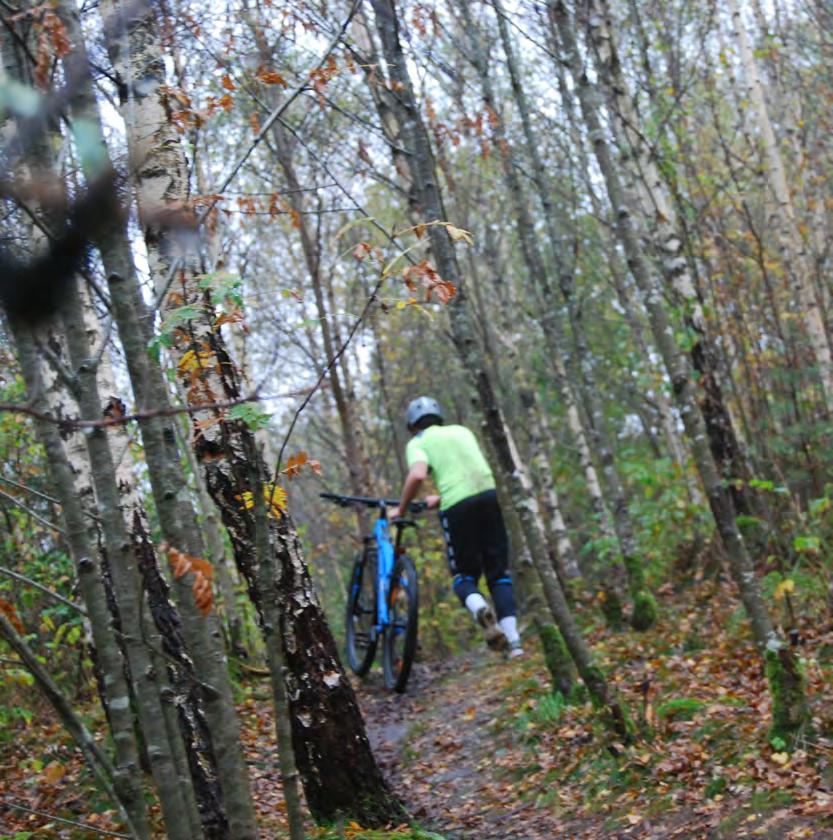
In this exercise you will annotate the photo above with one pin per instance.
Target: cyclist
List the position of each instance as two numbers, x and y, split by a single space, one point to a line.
470 516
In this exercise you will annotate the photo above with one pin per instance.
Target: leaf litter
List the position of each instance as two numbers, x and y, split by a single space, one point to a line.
480 748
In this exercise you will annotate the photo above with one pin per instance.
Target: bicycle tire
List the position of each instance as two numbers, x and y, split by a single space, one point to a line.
360 617
399 644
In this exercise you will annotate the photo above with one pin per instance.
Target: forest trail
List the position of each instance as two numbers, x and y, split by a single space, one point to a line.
437 748
476 750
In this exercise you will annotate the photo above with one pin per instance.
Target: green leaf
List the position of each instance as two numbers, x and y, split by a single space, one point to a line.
250 414
818 506
179 316
223 285
807 545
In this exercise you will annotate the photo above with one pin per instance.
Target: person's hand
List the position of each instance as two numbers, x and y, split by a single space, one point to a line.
393 513
432 501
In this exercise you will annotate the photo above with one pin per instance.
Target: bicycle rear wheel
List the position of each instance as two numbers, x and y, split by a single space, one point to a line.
360 620
399 645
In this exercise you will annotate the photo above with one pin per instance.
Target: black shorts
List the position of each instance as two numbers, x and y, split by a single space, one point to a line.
476 538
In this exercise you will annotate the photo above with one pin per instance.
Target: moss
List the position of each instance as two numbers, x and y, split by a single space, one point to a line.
557 659
612 609
790 715
644 614
613 713
680 709
636 574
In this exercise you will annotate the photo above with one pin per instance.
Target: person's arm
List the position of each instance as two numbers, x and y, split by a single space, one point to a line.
416 475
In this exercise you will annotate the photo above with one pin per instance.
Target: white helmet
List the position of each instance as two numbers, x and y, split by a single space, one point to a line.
422 407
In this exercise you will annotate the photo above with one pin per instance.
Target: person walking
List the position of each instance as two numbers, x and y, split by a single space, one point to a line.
471 518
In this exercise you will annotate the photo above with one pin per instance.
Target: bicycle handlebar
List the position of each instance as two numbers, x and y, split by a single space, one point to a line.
369 501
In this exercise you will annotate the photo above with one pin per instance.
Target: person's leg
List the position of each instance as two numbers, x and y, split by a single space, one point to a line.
463 562
460 525
496 568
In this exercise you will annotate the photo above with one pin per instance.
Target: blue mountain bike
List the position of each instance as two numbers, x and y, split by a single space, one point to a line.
383 602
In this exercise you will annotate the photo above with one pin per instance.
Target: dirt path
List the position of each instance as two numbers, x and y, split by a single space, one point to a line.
436 746
465 773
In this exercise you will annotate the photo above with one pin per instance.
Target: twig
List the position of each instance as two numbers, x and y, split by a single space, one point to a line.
43 521
29 490
77 423
44 589
336 356
104 422
92 828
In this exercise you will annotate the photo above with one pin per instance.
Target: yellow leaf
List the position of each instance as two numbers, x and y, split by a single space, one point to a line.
54 772
458 233
785 586
781 758
275 497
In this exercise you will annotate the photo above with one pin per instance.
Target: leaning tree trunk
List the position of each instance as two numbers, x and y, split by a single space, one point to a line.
644 606
464 336
790 714
105 774
331 748
660 229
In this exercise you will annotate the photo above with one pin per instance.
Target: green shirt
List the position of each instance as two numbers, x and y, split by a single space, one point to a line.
455 460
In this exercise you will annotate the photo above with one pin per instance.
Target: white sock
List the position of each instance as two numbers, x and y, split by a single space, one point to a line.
509 625
475 602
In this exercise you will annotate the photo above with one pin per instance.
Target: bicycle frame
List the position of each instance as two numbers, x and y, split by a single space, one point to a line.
394 624
386 548
385 558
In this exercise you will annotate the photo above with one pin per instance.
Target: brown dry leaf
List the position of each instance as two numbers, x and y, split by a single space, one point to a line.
271 77
8 609
181 564
53 772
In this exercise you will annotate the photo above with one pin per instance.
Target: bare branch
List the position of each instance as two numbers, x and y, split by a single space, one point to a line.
42 588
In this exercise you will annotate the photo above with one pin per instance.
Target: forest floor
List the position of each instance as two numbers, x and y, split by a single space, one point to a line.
479 748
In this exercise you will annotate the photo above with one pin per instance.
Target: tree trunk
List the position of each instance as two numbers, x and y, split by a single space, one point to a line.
428 194
785 681
351 430
174 508
78 530
644 606
659 226
331 748
793 246
126 582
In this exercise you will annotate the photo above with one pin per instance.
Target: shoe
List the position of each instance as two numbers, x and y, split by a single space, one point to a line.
515 650
494 636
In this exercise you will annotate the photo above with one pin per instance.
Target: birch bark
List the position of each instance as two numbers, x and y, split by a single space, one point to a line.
790 712
795 254
330 744
174 508
464 336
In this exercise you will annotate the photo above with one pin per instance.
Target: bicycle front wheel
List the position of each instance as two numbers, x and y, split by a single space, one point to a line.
360 620
400 640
